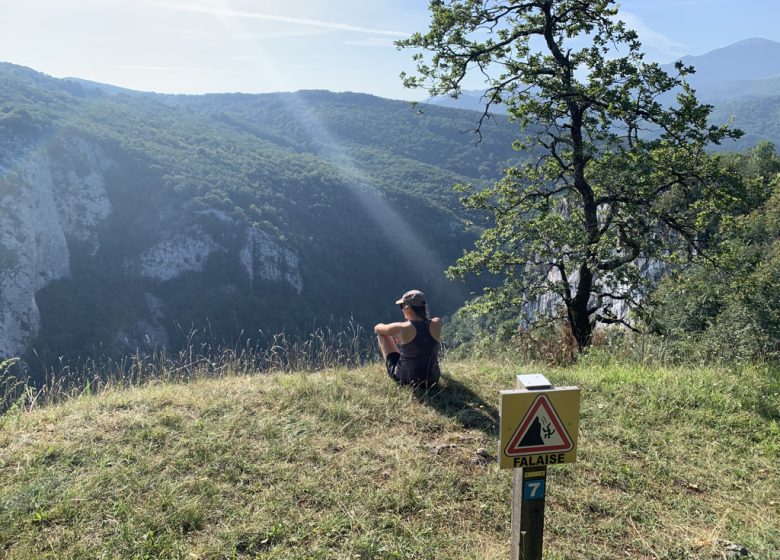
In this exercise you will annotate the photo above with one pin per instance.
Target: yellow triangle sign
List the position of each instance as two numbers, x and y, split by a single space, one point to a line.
540 431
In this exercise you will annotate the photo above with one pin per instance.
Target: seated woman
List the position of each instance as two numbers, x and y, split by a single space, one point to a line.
411 347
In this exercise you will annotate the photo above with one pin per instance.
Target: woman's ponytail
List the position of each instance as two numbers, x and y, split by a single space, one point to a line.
421 311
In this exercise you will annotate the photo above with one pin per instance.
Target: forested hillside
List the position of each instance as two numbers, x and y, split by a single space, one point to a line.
128 219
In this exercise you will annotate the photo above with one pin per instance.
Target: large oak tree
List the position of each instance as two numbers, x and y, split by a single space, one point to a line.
617 175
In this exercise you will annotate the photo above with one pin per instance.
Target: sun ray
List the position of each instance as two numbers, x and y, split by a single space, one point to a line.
390 222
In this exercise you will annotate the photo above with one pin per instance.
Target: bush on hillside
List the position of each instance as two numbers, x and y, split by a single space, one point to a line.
728 310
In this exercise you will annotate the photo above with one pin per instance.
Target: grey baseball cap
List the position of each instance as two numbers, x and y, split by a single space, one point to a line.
412 297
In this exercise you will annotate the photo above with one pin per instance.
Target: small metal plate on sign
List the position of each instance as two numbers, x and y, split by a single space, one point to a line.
534 381
540 473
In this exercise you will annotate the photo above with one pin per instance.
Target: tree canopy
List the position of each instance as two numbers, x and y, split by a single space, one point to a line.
615 181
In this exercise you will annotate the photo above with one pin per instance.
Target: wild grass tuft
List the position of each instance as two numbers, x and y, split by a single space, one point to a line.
201 357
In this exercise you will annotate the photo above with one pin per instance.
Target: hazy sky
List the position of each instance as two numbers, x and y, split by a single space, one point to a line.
197 46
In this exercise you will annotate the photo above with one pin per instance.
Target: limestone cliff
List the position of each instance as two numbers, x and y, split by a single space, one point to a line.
264 258
46 203
178 254
55 203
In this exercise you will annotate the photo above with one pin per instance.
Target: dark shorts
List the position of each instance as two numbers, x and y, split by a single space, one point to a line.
392 362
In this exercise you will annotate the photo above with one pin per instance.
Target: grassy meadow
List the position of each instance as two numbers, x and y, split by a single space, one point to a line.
343 464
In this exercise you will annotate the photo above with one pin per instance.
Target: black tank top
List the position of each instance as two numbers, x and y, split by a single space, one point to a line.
419 361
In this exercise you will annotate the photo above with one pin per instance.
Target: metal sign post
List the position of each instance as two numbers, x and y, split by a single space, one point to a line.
539 425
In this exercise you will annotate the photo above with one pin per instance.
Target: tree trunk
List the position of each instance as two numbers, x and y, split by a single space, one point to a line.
579 324
577 310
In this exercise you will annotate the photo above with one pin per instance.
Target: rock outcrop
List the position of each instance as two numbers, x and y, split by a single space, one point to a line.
54 200
181 253
44 203
262 257
551 304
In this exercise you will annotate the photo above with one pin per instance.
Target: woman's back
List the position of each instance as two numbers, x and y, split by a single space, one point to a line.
419 361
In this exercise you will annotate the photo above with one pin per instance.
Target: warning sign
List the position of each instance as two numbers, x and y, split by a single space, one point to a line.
541 431
539 427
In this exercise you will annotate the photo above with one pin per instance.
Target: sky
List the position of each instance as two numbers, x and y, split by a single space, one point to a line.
254 46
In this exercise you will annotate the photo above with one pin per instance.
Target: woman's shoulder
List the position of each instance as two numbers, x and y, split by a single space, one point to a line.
436 320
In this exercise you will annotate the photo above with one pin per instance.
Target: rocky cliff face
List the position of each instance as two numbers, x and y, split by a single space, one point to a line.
178 254
551 304
45 205
55 202
262 257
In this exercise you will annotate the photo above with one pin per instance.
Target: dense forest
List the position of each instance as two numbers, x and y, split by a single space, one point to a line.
725 307
235 214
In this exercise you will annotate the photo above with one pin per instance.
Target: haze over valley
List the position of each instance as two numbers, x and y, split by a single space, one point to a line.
130 220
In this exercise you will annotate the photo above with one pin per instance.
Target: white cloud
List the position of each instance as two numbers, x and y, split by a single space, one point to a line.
259 36
665 46
230 13
383 42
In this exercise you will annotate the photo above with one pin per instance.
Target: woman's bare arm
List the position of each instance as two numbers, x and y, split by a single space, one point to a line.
391 329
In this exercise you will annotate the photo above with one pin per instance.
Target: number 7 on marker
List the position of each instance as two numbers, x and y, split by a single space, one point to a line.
533 490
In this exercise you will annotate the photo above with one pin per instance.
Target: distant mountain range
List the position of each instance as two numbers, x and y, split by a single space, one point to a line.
751 59
741 80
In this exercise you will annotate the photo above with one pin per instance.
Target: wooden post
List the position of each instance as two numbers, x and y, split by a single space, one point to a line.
529 487
528 494
538 428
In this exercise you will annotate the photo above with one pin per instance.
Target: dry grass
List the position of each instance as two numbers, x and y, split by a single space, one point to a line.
344 464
